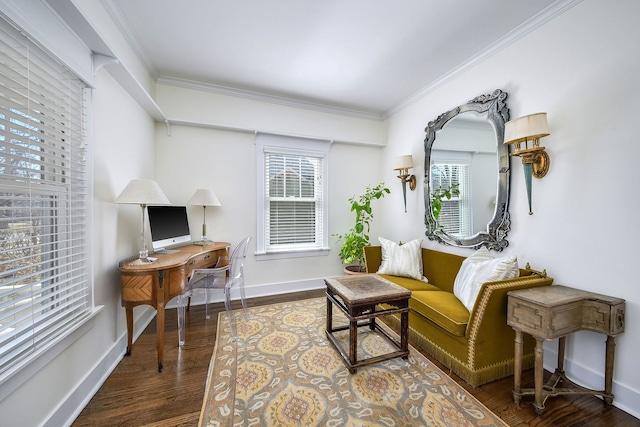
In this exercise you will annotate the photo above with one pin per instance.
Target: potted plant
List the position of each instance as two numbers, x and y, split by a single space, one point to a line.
438 195
354 240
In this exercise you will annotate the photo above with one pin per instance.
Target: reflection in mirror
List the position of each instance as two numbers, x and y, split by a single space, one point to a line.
465 148
467 182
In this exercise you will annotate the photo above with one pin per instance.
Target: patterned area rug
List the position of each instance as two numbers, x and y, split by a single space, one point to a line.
284 372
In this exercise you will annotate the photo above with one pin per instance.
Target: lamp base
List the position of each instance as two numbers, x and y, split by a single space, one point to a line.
143 261
203 242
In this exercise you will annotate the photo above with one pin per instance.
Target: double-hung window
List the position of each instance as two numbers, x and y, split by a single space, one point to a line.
44 201
292 196
455 216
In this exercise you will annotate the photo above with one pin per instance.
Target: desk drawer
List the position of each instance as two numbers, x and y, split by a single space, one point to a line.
543 321
203 261
600 316
136 288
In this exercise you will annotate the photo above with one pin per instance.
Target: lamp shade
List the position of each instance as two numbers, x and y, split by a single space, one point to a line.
143 192
204 197
526 127
403 162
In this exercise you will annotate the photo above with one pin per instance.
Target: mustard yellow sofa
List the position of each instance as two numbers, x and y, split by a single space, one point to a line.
477 346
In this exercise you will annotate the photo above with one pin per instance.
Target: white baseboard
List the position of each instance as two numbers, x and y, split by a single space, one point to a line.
625 398
255 291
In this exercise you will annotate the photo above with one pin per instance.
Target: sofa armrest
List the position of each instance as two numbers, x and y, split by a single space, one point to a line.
489 336
489 313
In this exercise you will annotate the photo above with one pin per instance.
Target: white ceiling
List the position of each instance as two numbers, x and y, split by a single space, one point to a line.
360 56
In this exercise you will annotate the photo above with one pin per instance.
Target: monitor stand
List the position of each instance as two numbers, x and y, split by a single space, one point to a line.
166 251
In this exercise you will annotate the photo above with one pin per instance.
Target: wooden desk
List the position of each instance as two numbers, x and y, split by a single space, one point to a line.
550 312
156 283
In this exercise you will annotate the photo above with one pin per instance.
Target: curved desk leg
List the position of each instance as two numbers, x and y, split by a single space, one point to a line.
129 311
160 335
160 298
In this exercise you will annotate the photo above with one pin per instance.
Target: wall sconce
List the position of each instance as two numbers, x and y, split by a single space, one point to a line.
403 164
204 198
143 192
534 159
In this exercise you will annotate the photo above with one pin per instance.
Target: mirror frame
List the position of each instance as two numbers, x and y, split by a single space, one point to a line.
498 114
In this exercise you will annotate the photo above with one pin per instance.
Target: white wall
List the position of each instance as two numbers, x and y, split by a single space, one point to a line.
199 156
582 69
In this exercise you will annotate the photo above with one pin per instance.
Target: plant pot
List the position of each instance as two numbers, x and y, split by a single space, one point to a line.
355 269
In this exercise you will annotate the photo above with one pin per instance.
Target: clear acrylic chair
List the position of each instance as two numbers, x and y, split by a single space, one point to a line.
220 278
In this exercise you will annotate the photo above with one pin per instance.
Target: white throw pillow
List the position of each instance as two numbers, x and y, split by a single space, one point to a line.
480 268
402 260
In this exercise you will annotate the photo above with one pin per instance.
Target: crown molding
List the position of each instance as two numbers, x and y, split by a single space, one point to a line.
546 15
270 98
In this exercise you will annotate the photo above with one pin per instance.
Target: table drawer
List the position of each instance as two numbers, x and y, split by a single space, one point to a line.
599 316
544 322
204 260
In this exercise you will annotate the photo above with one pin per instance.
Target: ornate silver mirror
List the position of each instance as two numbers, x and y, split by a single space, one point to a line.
466 176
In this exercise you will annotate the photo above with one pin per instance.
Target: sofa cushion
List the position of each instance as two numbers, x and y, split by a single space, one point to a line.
442 308
402 260
480 268
411 284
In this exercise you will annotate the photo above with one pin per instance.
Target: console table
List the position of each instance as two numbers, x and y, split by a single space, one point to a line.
156 283
550 312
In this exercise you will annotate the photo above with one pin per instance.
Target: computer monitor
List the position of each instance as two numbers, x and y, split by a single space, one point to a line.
169 226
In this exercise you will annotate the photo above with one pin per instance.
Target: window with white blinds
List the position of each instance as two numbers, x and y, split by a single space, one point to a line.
44 200
455 216
293 195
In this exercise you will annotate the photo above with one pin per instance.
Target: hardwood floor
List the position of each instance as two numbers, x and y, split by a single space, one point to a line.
135 394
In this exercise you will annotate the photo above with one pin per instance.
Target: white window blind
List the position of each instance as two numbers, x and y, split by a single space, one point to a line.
455 216
44 201
294 199
293 195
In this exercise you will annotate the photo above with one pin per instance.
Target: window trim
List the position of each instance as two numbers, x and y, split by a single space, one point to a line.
295 146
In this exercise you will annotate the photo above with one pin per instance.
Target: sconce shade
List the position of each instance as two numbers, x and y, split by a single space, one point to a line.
203 197
526 128
403 162
143 192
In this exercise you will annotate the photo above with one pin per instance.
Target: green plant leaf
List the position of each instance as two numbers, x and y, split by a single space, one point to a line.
354 241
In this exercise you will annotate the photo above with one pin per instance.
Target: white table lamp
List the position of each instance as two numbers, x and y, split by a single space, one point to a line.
204 198
143 192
